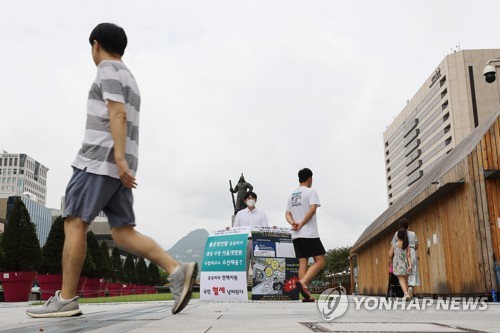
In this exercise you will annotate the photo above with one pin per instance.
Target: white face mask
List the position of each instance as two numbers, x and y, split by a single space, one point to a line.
250 203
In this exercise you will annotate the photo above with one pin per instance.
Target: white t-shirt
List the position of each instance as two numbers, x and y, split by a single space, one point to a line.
298 204
250 218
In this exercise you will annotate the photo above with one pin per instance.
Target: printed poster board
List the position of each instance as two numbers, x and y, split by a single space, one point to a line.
223 269
275 268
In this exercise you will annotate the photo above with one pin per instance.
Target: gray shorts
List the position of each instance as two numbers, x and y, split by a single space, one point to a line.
88 194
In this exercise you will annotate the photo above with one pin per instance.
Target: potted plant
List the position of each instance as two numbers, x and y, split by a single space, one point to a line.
50 272
143 277
130 274
95 277
22 255
118 276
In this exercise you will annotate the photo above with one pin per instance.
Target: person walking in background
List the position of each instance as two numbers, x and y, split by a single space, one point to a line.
413 277
401 261
104 176
301 215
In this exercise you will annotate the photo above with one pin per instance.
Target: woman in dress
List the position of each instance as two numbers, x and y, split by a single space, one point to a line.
401 260
413 278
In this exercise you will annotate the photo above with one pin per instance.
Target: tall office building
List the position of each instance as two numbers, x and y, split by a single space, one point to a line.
448 106
19 174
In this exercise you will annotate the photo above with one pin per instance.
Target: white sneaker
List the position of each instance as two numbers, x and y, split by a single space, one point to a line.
181 285
410 293
56 307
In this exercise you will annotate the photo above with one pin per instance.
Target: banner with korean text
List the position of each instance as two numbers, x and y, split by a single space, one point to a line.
275 268
223 269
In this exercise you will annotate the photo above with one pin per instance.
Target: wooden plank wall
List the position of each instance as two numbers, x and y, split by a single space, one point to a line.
493 190
447 265
491 161
461 229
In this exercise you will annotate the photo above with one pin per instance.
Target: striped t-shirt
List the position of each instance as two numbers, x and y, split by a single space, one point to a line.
114 82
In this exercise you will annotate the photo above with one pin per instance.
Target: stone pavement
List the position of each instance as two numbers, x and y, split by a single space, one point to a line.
251 316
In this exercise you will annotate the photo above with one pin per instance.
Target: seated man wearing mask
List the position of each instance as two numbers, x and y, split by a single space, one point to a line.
250 217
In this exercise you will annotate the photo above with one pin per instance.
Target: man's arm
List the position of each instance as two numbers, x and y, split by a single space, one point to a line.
237 220
310 213
118 128
289 218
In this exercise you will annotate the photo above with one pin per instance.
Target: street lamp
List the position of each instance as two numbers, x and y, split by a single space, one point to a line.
489 71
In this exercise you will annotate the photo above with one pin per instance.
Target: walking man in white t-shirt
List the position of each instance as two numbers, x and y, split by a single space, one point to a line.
301 215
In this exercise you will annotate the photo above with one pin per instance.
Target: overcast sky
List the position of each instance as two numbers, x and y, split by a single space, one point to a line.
260 87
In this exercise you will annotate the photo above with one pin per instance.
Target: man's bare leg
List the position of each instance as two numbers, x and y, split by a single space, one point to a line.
182 276
128 238
303 264
74 252
313 270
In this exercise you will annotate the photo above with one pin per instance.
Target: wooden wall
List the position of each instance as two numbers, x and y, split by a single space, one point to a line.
458 233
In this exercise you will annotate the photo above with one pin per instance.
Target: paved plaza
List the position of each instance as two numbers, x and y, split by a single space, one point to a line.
252 316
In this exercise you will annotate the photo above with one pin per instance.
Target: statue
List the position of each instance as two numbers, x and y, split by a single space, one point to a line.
240 188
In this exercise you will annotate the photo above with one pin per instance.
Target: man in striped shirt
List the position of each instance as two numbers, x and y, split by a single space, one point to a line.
104 176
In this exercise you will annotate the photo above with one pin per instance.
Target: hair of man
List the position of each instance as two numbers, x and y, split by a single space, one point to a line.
111 37
304 175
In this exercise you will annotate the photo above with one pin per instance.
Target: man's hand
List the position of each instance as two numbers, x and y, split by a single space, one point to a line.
128 180
297 226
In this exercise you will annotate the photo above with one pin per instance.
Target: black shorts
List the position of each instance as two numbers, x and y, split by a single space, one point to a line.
308 247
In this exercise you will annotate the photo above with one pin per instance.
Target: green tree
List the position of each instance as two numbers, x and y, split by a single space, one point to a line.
100 262
129 269
88 265
52 250
143 276
337 260
154 272
2 255
109 276
20 243
116 260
